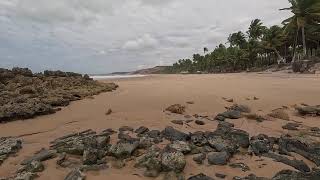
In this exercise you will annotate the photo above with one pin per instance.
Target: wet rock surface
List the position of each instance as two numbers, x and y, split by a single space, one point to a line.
25 95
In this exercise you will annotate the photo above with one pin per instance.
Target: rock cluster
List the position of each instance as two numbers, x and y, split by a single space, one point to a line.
25 95
8 146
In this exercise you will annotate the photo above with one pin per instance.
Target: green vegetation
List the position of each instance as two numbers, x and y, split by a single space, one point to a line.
297 38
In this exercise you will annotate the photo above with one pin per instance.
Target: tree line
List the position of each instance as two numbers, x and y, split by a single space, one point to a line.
260 46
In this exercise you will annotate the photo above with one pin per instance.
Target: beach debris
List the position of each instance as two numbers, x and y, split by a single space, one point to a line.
109 111
176 108
9 146
279 114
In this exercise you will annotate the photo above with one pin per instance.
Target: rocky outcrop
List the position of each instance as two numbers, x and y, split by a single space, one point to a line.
25 95
9 146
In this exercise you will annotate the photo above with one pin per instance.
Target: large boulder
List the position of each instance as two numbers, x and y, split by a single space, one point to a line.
218 158
173 160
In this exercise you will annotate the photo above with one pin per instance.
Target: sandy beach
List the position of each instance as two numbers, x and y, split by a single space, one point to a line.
142 100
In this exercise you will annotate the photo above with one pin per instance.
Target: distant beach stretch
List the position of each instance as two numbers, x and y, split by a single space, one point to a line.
100 77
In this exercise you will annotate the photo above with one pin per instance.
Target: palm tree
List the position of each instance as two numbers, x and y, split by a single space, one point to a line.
237 39
205 49
273 39
305 11
256 29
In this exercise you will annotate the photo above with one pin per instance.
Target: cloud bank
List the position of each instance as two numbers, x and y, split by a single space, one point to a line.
100 36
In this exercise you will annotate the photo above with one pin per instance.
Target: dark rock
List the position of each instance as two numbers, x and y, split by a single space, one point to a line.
198 138
222 144
199 158
261 144
240 137
306 147
308 110
218 158
241 108
42 155
251 177
219 117
90 156
200 176
125 128
221 176
201 123
172 134
176 108
75 175
33 167
173 161
9 146
109 111
150 161
141 130
154 134
291 126
299 165
181 146
179 122
241 166
123 149
231 114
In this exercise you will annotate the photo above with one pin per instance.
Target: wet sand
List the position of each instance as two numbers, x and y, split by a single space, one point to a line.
141 101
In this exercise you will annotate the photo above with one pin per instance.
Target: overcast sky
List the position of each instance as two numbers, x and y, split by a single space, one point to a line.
101 36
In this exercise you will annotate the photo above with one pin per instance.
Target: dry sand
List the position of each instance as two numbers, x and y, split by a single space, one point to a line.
141 101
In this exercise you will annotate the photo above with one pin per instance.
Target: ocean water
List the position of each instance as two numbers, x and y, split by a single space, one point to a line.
98 77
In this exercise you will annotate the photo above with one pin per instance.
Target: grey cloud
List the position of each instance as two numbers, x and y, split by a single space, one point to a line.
98 36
